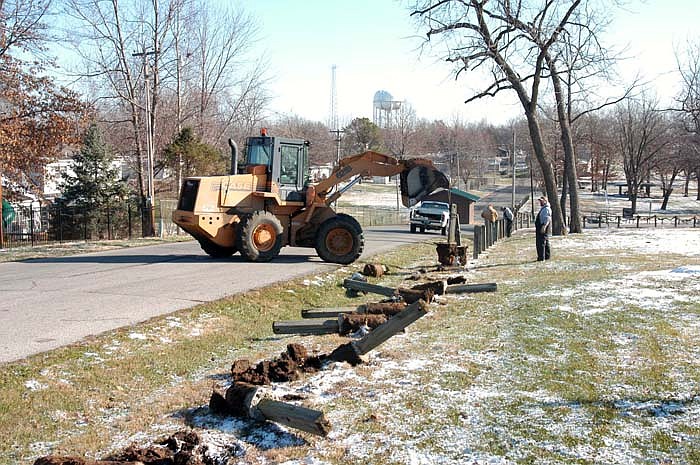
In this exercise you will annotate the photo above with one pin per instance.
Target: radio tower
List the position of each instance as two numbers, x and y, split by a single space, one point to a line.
333 110
333 117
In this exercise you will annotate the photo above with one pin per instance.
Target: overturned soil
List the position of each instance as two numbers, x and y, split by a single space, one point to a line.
287 367
182 448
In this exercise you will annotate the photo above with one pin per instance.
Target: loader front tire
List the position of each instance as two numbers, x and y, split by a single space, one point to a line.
340 240
260 237
215 250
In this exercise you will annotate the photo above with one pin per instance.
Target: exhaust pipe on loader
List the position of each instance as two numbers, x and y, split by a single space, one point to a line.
234 156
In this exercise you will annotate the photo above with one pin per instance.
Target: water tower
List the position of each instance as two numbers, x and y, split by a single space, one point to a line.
385 109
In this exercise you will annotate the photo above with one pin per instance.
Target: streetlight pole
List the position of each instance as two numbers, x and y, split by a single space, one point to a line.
338 138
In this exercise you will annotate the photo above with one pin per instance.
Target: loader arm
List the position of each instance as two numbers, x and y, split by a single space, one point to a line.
419 177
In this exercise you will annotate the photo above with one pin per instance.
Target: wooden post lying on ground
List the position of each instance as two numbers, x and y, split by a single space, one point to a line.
471 288
343 324
376 308
408 295
367 287
248 400
352 352
308 326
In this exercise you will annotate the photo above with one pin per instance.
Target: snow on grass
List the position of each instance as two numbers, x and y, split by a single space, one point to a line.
34 385
633 241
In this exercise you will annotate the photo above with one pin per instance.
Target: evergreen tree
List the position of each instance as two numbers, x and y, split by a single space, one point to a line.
195 157
95 182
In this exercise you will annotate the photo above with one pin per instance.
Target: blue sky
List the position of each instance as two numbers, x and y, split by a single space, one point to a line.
375 46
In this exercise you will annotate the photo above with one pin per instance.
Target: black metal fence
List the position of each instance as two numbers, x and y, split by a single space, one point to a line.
600 219
37 225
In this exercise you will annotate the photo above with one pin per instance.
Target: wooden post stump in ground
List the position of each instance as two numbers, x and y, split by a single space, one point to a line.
352 352
248 400
471 288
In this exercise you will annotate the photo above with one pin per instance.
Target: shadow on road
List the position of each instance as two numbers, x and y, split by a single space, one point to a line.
154 259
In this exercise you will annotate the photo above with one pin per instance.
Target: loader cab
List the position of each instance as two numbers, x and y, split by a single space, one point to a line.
286 161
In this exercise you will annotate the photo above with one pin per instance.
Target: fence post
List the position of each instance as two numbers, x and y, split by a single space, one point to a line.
675 221
60 223
31 222
600 220
637 221
128 208
477 242
109 225
484 238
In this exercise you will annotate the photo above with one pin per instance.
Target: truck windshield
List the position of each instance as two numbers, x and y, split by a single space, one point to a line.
259 151
435 205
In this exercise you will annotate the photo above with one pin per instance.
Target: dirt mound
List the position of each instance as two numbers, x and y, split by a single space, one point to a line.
182 448
287 367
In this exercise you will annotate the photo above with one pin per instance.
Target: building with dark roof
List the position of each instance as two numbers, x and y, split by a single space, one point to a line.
464 200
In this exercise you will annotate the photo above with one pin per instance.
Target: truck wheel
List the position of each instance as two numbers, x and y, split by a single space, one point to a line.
422 229
443 231
413 228
340 240
260 237
215 250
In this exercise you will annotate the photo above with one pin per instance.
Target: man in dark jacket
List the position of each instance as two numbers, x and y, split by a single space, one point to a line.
543 228
508 216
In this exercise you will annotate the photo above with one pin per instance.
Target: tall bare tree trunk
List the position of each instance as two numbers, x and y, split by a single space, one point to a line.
547 172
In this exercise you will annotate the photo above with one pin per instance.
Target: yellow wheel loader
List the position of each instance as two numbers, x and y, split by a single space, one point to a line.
268 202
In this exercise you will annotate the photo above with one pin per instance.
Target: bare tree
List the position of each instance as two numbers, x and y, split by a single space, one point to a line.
688 102
399 136
597 134
642 134
22 25
486 35
322 149
105 36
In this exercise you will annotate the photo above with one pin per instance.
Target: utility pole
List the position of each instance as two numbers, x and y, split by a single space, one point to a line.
149 230
2 217
512 197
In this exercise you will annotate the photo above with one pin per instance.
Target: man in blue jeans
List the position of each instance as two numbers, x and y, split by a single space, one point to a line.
543 228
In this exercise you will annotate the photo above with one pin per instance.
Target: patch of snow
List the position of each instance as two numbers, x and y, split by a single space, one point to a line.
138 336
34 385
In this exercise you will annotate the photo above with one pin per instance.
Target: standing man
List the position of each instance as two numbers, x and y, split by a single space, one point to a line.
490 215
508 216
543 228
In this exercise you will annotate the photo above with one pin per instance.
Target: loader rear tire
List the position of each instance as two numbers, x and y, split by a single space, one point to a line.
260 237
340 240
215 250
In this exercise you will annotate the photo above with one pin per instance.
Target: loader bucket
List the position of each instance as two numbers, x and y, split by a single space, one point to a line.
420 179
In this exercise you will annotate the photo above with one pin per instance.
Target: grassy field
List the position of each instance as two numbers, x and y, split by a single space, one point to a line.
592 357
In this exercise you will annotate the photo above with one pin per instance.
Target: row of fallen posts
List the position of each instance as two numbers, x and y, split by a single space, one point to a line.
488 234
249 393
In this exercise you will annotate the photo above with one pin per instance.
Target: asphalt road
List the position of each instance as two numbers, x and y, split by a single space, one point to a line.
48 303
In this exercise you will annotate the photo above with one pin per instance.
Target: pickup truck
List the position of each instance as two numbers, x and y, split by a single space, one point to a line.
430 215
